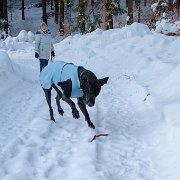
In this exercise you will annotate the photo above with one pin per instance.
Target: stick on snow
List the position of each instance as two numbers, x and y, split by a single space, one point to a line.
95 136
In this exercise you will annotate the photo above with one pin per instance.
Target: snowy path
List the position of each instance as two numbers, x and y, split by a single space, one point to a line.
37 148
32 140
143 141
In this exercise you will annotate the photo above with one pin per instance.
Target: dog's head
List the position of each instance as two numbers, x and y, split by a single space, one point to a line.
91 87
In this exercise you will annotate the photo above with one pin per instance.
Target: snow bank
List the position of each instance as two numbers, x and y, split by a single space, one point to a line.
5 64
25 36
23 41
7 77
138 108
31 36
139 63
165 26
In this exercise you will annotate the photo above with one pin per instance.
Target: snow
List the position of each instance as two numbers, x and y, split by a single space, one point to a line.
23 36
154 6
138 108
165 26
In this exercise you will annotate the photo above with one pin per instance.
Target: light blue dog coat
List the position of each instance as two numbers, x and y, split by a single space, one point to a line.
60 71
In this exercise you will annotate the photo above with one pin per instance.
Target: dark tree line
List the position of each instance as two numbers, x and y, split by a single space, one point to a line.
90 14
3 10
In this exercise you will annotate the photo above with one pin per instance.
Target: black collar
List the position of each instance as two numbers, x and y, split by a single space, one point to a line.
81 71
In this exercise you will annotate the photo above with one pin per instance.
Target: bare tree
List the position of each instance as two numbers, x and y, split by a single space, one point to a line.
44 11
145 2
23 16
56 4
177 7
130 12
61 19
5 12
138 6
1 9
69 6
81 16
126 3
52 4
108 14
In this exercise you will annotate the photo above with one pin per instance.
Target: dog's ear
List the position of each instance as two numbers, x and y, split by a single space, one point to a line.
103 81
66 86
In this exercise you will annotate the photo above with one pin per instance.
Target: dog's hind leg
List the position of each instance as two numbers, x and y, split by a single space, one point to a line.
60 110
48 99
75 112
58 97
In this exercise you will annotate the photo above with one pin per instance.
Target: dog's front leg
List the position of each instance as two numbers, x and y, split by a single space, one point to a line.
48 99
82 106
75 112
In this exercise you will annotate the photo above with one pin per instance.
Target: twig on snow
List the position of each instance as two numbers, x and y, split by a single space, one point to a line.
147 96
95 136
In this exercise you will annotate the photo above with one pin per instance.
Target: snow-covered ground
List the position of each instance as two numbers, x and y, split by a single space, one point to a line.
138 108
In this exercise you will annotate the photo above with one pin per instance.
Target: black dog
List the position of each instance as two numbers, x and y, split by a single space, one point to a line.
71 81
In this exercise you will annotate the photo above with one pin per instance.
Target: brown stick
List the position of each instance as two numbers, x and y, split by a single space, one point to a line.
95 136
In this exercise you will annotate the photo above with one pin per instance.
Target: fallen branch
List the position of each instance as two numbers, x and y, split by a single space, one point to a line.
95 136
147 96
172 34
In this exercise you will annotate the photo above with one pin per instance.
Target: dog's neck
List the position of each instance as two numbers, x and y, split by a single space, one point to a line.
81 72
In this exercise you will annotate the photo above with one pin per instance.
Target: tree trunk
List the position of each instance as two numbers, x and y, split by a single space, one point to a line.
23 16
5 12
81 17
138 6
69 6
145 2
126 3
92 2
52 4
56 4
108 14
44 11
177 7
1 9
139 13
61 22
130 12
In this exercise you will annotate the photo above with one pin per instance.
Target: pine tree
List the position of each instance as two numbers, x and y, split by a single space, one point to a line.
44 11
61 22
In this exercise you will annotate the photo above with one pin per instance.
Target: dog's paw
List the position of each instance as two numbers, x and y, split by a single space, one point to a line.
53 119
61 112
75 114
51 115
91 125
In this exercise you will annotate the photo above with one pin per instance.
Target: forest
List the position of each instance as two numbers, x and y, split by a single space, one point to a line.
87 15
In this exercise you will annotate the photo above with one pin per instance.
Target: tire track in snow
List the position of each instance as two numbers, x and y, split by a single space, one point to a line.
42 149
120 155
